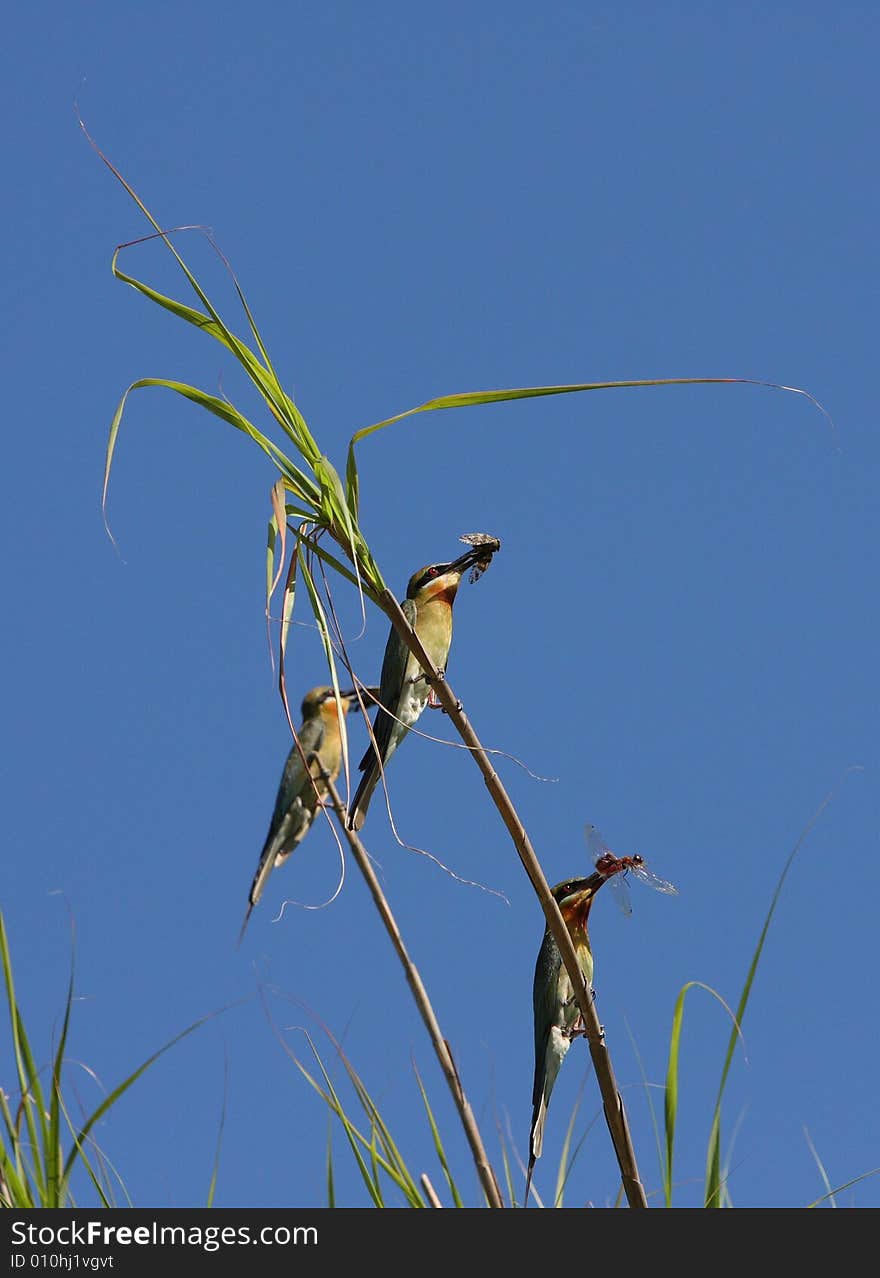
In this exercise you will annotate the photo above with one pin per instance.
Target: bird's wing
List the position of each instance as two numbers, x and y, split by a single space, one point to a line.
545 1000
550 991
294 780
390 687
294 805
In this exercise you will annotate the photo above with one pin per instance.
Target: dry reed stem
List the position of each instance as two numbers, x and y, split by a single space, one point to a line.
430 1191
423 1002
615 1114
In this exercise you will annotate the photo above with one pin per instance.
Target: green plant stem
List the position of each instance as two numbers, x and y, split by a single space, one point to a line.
615 1113
423 1002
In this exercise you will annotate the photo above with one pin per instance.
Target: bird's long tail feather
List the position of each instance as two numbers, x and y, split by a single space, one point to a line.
536 1138
357 813
529 1180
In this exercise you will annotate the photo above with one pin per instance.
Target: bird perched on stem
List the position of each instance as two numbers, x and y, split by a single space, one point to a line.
302 787
557 1015
404 689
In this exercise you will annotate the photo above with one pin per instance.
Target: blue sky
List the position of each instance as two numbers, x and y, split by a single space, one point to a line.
681 627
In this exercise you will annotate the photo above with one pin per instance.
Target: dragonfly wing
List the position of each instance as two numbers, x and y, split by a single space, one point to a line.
595 843
620 892
651 880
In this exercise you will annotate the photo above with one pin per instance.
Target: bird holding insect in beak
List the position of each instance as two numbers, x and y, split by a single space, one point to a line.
557 1015
302 785
404 689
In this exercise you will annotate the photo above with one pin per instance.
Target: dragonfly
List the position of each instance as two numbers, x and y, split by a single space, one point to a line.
617 868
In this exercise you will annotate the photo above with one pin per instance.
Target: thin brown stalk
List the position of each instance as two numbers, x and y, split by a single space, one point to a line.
423 1002
615 1114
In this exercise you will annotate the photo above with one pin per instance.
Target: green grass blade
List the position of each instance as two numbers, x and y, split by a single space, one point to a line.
655 1124
205 323
468 399
15 1174
352 485
563 1169
670 1106
148 215
80 1145
571 1162
264 381
671 1092
353 1136
724 1196
821 1166
108 1173
15 1186
508 1174
264 378
393 1161
14 1192
299 482
334 501
110 1101
314 547
386 1159
28 1075
374 1160
714 1180
32 1099
296 416
215 1171
713 1159
53 1152
840 1188
438 1143
331 1189
301 433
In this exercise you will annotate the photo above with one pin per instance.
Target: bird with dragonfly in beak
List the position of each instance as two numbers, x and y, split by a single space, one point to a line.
557 1015
403 686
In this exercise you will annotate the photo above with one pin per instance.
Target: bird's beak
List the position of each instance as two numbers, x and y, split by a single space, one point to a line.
467 560
590 886
369 694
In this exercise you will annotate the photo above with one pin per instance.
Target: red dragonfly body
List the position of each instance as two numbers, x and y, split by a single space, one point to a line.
617 868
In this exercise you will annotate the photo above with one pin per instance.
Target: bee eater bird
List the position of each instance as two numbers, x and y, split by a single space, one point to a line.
302 785
404 689
557 1015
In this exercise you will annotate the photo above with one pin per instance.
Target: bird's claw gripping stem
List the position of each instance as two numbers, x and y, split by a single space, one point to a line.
433 700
